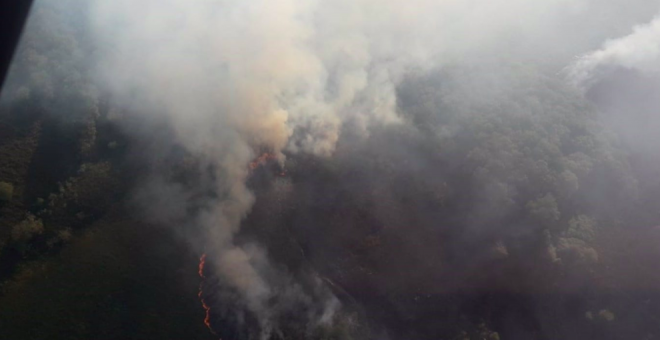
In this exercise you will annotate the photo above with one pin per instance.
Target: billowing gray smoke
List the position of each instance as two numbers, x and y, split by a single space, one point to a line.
230 78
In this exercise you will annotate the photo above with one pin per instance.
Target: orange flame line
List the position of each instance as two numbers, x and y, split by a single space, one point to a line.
202 262
207 309
261 160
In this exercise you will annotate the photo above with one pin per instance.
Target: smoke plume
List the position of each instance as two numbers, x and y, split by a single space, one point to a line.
640 51
231 78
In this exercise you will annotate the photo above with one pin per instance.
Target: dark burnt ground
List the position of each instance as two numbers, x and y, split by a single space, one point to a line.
417 285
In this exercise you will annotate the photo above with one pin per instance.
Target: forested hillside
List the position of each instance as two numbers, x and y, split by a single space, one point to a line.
501 201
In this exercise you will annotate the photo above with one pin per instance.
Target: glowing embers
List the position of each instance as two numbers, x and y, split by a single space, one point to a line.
268 161
207 309
262 160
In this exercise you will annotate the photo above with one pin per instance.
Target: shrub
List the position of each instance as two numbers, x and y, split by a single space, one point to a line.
30 227
606 314
62 236
6 191
544 210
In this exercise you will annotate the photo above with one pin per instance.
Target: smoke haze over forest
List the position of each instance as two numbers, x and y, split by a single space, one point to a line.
347 169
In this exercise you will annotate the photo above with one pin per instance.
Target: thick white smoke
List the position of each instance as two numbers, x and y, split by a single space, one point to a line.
640 50
267 69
